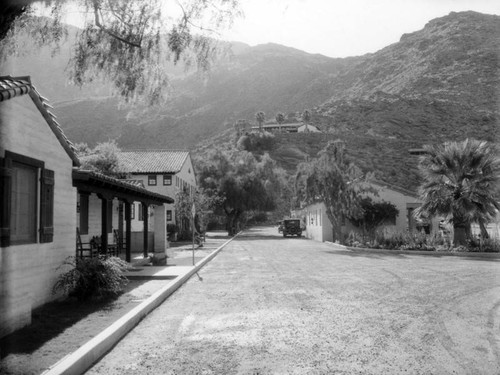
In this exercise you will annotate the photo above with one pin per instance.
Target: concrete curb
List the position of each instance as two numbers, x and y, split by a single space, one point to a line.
89 353
415 252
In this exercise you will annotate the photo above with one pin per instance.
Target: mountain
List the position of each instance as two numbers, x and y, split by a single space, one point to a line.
436 84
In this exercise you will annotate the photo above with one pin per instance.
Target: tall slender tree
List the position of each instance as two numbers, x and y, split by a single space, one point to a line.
306 117
280 119
461 183
260 117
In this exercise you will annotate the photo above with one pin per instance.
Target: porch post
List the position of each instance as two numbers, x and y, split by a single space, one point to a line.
128 230
146 225
104 222
160 235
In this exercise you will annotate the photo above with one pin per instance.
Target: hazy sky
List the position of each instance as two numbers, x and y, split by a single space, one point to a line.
337 28
340 28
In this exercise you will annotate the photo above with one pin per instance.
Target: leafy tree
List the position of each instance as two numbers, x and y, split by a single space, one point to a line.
374 214
461 183
306 117
260 117
203 202
242 183
125 41
103 158
332 179
280 119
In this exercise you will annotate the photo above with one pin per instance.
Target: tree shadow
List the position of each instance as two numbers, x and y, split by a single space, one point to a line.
50 320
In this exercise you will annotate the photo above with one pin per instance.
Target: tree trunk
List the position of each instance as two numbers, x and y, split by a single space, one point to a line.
232 221
484 233
459 235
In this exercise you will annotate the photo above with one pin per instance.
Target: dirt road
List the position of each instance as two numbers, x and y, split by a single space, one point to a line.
268 305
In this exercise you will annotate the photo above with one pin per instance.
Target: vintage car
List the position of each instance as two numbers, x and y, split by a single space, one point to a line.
291 227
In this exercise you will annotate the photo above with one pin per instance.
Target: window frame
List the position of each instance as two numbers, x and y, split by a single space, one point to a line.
43 194
151 178
167 180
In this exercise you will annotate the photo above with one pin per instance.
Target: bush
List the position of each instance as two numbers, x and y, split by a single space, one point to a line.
92 277
256 142
399 241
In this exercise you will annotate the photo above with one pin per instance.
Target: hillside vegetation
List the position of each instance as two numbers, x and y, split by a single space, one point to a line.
436 84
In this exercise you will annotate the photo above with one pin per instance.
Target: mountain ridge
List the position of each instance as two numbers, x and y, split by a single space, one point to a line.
435 84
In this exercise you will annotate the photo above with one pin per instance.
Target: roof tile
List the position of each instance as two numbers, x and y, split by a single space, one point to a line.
153 161
11 87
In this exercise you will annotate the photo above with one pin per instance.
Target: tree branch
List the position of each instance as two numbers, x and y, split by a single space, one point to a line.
109 32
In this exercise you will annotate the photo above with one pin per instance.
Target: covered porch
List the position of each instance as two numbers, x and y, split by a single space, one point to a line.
105 210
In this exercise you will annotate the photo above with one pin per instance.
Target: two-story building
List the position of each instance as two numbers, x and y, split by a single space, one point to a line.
166 172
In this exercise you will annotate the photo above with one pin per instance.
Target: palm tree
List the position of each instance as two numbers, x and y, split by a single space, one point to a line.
461 183
306 117
280 119
260 117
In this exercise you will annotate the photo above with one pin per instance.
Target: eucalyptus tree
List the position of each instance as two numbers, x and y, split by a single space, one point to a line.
241 182
306 117
280 119
260 117
333 180
462 184
125 42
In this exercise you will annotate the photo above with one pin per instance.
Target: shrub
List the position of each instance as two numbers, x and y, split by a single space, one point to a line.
490 245
256 142
92 277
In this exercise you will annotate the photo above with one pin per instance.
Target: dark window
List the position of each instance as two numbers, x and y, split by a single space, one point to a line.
167 180
140 213
27 200
84 214
23 202
169 215
152 180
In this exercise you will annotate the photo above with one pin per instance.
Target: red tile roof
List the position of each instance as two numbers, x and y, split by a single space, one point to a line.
153 161
11 87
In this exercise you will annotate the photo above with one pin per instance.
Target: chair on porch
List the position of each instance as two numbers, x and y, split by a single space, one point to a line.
111 250
84 249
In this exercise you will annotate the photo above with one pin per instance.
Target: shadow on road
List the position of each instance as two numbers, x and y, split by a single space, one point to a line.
398 255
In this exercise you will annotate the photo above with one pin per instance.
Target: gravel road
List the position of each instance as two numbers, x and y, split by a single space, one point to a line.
273 305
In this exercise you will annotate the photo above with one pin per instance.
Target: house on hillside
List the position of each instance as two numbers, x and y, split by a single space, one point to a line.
37 209
319 227
166 172
275 128
310 129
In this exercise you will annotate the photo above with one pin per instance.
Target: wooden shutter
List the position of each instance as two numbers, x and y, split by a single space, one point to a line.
5 200
47 206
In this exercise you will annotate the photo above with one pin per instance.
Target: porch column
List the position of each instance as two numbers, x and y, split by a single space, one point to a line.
146 225
104 221
160 235
128 230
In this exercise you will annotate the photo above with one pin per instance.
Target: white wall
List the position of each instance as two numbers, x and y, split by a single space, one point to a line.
318 226
28 272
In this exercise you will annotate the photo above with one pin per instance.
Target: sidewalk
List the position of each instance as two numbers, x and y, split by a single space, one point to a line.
179 272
